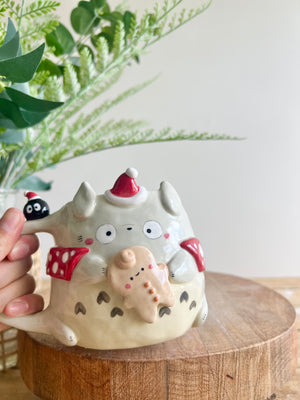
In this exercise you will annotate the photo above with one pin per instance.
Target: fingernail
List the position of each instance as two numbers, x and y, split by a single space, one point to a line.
17 307
20 251
10 220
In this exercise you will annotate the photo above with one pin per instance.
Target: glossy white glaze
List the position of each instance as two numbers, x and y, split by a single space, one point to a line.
86 309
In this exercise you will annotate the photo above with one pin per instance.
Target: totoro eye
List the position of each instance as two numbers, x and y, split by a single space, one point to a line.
29 209
106 233
37 207
152 229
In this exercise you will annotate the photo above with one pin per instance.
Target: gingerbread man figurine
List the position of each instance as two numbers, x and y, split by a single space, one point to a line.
134 274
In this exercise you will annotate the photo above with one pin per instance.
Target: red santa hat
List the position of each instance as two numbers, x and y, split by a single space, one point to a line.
31 195
125 191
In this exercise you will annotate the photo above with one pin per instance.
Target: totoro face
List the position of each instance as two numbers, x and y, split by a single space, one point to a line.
110 229
36 209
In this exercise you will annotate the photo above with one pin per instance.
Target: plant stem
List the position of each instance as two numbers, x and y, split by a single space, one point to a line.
81 38
21 15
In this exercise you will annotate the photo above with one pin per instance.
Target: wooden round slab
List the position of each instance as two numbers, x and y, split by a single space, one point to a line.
245 350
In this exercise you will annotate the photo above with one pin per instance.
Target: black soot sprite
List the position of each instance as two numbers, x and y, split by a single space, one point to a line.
35 208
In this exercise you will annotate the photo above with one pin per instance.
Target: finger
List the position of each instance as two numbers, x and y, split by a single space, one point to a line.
18 288
25 246
24 305
11 271
11 225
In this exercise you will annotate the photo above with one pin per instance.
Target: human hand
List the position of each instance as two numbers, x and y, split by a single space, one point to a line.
16 285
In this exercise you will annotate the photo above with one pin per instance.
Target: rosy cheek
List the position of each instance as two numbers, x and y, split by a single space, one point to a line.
89 241
150 266
127 286
167 235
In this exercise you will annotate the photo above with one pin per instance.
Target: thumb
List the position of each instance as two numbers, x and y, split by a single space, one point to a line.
11 225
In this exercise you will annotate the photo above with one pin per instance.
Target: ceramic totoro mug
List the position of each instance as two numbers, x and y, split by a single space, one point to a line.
126 270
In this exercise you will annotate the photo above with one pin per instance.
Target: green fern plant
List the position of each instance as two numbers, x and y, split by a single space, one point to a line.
77 72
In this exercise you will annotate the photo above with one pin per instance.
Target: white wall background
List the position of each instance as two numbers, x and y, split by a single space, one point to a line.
234 70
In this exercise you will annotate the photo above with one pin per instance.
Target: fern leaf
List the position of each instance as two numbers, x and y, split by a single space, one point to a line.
150 136
124 132
192 12
36 32
119 39
71 84
106 136
107 105
40 78
110 135
53 89
165 6
133 28
58 149
182 16
96 87
144 23
161 32
10 7
2 31
39 8
156 11
43 28
87 69
102 54
3 9
173 21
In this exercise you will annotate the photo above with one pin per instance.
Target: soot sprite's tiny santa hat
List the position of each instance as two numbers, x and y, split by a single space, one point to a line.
31 195
125 191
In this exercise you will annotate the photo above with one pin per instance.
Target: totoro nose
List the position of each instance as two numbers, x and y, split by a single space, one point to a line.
128 227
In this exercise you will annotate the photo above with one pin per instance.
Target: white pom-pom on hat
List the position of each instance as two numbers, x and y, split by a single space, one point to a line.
132 172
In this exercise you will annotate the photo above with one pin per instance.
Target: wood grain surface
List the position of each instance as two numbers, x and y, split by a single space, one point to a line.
245 351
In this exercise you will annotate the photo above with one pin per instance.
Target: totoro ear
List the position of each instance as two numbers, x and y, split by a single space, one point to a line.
84 201
170 199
